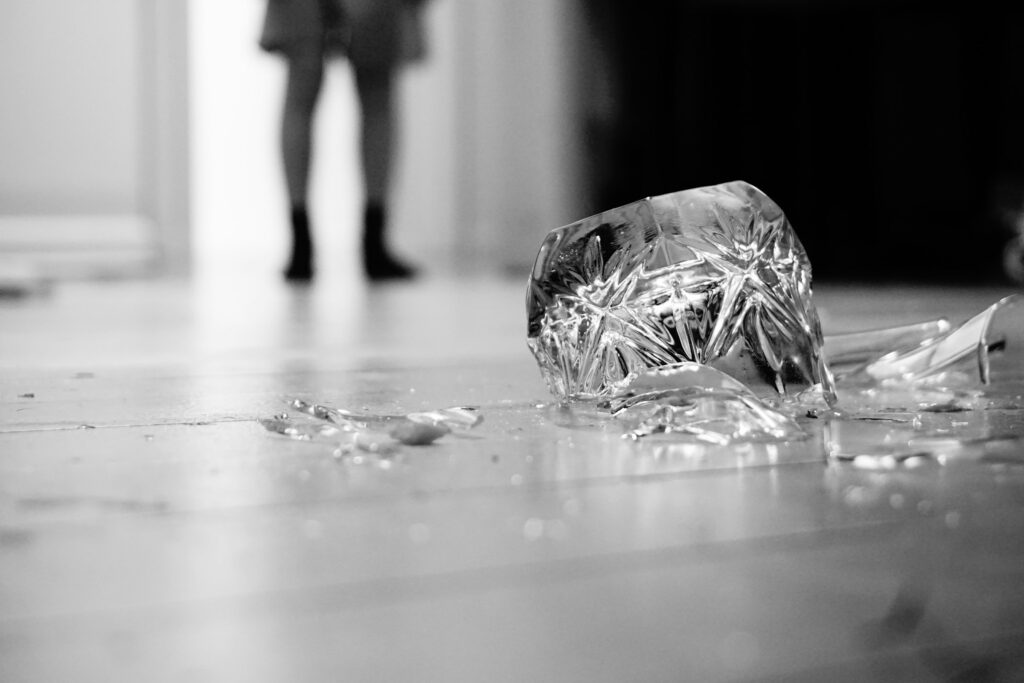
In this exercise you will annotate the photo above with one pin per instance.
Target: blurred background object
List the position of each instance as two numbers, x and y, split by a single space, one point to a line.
151 530
490 156
93 137
888 131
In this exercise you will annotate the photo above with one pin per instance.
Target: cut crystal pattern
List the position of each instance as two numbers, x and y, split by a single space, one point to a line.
712 275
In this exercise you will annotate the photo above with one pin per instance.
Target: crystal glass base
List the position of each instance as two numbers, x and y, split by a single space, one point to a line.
712 275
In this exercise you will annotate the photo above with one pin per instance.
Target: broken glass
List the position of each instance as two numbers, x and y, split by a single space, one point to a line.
699 401
691 314
713 275
987 345
379 433
852 350
301 430
458 417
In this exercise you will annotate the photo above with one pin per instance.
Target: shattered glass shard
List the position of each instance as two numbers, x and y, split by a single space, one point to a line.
702 402
712 275
852 350
670 378
301 431
457 417
991 344
378 433
316 410
716 417
417 433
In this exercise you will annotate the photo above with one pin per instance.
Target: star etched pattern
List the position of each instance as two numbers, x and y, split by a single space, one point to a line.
713 275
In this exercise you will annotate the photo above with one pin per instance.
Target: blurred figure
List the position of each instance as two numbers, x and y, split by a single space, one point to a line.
378 37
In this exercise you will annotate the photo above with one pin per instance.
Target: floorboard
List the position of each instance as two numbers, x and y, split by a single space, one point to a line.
151 529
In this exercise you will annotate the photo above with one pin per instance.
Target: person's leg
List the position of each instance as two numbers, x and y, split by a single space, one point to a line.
305 76
375 88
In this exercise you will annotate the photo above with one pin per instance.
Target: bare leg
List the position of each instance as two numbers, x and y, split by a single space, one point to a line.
375 88
377 131
305 76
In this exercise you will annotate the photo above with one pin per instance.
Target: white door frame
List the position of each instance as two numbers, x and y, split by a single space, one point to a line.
149 233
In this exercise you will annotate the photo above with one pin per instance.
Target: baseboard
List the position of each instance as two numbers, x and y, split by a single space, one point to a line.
78 246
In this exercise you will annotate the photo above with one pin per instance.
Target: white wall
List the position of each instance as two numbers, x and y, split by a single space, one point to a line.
92 135
61 152
521 159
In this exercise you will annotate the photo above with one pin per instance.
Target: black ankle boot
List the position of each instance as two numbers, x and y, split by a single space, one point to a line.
377 261
300 265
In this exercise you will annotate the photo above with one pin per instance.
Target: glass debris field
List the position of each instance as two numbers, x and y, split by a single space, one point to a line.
692 314
687 321
175 538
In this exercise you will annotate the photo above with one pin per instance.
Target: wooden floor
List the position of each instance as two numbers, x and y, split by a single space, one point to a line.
152 530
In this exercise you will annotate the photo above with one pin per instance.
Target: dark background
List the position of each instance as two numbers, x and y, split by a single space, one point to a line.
891 133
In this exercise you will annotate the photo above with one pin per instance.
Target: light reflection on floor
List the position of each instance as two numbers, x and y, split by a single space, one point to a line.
178 538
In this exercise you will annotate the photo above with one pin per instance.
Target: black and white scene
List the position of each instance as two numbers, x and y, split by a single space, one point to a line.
540 341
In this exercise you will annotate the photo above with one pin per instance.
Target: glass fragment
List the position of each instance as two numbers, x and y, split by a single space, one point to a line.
378 433
301 430
718 417
455 418
990 342
852 350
